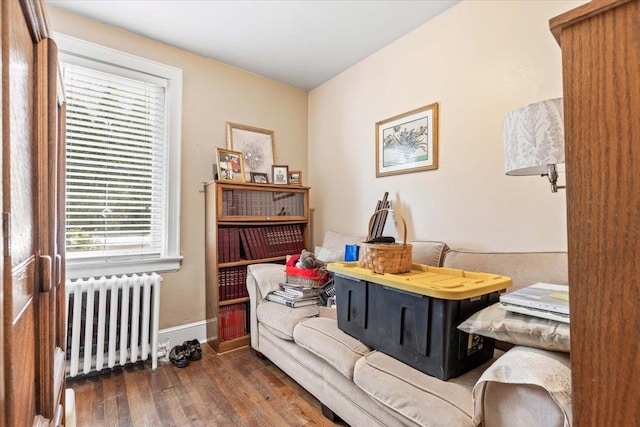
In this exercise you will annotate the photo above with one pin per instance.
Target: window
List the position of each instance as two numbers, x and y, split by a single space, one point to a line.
123 157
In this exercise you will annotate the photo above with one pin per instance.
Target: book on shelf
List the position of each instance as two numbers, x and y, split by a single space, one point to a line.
232 282
261 235
232 321
276 297
244 240
253 241
234 246
220 245
545 300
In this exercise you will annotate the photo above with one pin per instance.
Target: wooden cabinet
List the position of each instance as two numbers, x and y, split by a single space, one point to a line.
600 44
32 366
246 224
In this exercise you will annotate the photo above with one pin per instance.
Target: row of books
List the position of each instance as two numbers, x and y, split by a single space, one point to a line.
293 295
259 242
228 245
262 203
232 282
232 321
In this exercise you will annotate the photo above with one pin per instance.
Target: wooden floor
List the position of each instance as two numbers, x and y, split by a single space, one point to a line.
233 389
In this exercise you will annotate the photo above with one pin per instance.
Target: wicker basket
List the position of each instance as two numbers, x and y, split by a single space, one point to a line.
307 277
386 257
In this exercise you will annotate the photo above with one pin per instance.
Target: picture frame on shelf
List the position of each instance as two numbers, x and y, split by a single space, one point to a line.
230 165
280 174
295 177
408 142
257 146
259 178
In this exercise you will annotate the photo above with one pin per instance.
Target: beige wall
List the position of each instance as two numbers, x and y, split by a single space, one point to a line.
479 60
213 93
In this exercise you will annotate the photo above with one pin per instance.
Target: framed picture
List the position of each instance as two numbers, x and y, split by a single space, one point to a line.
408 142
280 174
259 178
230 165
295 177
256 146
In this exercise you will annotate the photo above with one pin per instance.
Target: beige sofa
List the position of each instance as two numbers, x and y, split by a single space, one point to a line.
525 386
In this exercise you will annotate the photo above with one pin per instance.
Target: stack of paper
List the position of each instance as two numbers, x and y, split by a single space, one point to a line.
544 300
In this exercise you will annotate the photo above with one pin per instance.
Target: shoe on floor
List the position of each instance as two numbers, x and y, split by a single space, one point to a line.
195 351
179 356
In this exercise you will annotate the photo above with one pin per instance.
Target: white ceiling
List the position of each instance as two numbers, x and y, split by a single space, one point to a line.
301 43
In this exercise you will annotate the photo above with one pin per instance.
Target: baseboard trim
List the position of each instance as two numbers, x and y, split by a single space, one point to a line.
175 335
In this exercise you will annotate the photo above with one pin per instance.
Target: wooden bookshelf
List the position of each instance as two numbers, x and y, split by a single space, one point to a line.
245 224
601 85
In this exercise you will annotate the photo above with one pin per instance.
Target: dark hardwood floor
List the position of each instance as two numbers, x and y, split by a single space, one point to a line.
232 389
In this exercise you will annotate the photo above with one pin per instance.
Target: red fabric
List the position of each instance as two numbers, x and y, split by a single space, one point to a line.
308 273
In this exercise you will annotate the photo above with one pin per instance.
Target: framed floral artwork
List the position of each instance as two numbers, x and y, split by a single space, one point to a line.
408 142
255 144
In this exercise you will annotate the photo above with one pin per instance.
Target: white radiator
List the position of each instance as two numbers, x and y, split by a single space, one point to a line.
112 322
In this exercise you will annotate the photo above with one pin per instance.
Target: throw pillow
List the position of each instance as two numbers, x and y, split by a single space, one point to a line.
518 329
329 255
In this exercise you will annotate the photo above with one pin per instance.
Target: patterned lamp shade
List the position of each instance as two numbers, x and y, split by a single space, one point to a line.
534 138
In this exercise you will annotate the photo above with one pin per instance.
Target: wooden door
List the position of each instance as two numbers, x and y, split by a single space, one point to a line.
19 214
51 299
31 391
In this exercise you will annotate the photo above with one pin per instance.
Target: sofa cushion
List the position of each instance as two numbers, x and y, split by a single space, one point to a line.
281 319
328 254
526 384
414 396
322 337
428 253
518 329
524 268
337 241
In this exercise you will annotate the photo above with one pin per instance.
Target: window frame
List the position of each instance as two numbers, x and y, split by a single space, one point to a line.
78 51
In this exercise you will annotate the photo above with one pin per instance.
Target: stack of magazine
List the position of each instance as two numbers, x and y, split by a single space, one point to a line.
294 295
544 300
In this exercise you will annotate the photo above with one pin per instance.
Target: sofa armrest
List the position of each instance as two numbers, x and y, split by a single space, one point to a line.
261 279
526 384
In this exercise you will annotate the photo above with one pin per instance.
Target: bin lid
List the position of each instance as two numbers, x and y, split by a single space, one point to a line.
436 282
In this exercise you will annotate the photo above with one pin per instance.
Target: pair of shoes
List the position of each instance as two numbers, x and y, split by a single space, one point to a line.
182 354
179 356
195 351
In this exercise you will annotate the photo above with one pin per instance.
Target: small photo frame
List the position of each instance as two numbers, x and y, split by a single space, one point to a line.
280 174
259 178
295 177
230 165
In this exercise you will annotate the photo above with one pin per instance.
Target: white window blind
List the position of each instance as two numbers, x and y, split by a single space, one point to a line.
123 135
116 142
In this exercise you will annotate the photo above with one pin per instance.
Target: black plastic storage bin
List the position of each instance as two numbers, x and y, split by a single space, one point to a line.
416 329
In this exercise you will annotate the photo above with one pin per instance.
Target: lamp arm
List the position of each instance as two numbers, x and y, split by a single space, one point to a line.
552 174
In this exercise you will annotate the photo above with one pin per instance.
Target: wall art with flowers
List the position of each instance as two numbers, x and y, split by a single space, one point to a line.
408 142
